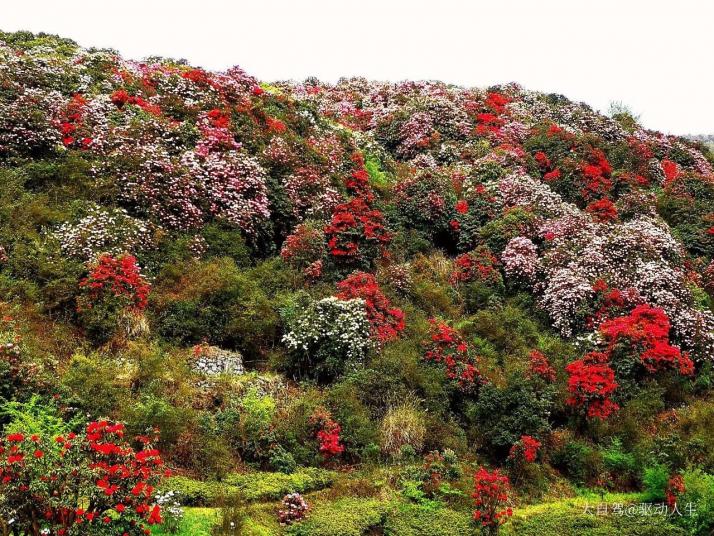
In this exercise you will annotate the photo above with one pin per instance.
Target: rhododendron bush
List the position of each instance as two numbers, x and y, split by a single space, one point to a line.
490 499
80 483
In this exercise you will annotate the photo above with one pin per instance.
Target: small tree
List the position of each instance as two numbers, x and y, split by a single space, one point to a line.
92 482
490 499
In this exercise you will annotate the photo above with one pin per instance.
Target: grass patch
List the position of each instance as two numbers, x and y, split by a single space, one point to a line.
254 486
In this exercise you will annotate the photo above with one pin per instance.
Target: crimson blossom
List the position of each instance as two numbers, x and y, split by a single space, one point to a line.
447 347
646 331
591 384
74 484
490 496
386 321
117 277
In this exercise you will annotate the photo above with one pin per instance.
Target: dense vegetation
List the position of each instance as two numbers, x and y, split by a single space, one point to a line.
232 307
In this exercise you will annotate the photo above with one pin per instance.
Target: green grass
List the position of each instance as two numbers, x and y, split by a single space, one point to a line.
254 486
196 522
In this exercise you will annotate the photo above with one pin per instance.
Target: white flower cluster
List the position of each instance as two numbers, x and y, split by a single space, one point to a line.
103 230
171 510
339 327
211 361
565 292
520 260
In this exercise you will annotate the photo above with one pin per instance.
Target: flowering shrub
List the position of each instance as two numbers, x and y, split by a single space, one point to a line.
646 331
526 449
327 336
117 280
328 433
591 383
449 349
304 246
386 321
540 366
171 511
113 293
675 488
310 193
356 234
520 260
294 508
479 265
66 484
602 210
490 496
104 231
425 202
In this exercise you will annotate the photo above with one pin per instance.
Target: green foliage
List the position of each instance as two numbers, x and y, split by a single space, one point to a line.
416 520
654 482
253 486
36 416
699 495
501 415
344 517
579 461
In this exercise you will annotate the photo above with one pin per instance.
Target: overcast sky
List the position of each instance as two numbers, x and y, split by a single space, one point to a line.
655 56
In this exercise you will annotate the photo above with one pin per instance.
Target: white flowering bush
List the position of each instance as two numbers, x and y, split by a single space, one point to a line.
328 336
171 511
104 230
520 260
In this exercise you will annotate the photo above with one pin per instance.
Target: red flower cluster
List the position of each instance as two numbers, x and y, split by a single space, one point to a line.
489 120
120 97
119 277
646 331
540 366
275 125
490 497
675 487
448 347
71 122
478 265
356 231
591 384
197 76
671 171
596 173
386 321
603 210
526 449
79 480
328 433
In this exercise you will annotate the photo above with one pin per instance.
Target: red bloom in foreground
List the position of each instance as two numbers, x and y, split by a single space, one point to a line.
490 498
462 207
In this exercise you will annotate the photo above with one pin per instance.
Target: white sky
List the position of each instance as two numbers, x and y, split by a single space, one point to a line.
655 56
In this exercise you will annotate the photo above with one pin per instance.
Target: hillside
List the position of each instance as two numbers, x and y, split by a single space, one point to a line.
383 297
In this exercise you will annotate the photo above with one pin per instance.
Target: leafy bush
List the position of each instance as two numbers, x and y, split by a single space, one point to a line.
344 517
654 481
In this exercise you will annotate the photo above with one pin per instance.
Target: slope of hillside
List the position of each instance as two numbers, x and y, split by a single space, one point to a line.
366 293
